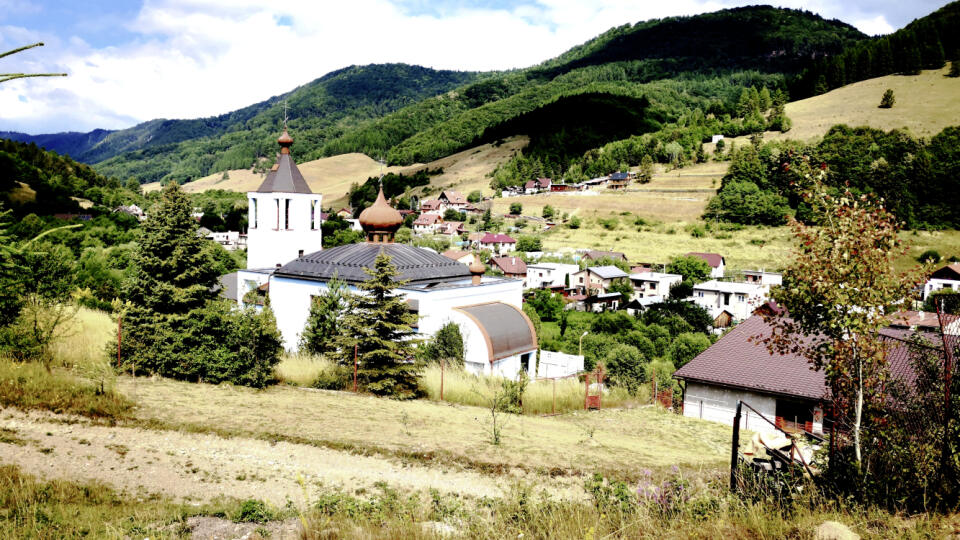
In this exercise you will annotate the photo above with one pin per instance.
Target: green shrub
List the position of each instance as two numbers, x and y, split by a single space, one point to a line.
887 100
929 256
253 511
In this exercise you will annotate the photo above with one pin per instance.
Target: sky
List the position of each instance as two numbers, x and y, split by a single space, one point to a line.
132 61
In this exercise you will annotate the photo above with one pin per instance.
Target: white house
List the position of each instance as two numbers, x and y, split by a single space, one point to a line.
738 299
550 275
715 260
947 277
761 277
497 243
452 200
537 186
284 214
653 284
597 279
427 223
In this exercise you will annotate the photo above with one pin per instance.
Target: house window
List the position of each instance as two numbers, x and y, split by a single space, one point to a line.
741 298
699 294
653 286
286 214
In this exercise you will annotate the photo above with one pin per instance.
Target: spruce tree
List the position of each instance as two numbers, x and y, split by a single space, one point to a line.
379 326
172 276
323 323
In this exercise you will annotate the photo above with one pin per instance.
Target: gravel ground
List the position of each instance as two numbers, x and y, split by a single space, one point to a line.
199 467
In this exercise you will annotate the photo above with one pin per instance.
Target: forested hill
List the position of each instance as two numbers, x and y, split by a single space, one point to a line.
70 143
186 149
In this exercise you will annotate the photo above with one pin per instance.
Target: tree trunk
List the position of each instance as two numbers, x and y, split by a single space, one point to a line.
858 414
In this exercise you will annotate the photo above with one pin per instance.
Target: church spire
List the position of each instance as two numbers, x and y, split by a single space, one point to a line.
380 220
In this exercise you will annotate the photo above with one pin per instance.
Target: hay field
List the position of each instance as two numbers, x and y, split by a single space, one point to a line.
675 195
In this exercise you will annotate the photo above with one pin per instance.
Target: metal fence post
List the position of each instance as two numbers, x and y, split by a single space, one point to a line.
735 448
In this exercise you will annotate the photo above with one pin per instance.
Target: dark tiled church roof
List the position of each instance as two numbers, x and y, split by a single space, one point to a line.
416 265
284 177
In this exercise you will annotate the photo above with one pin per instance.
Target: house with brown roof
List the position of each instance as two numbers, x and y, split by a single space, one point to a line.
947 277
431 206
497 243
715 260
450 199
465 257
512 267
596 279
533 187
451 228
782 387
427 224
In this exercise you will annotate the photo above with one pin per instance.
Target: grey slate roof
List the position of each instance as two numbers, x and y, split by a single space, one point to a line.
416 265
228 286
285 178
505 326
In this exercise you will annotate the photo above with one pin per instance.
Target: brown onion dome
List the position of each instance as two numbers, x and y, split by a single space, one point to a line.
380 216
285 141
477 267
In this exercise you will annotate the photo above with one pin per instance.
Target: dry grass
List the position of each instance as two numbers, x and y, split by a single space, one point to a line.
614 439
22 194
466 389
302 369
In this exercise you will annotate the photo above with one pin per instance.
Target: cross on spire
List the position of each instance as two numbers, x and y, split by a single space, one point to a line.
284 114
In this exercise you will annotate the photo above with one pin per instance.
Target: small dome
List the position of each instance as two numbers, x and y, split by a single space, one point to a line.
380 216
285 138
477 267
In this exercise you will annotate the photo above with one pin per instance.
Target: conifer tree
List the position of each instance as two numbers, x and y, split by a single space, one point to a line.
379 326
323 323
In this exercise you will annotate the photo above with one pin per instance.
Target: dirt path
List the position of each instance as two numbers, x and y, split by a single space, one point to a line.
199 467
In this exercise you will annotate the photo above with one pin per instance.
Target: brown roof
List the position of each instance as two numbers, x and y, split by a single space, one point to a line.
453 197
595 255
431 204
920 320
510 265
455 254
492 238
950 271
734 361
426 219
713 259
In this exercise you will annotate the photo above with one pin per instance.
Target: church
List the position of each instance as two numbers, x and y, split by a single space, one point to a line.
285 258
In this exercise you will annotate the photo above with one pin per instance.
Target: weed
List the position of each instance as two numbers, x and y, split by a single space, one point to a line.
253 510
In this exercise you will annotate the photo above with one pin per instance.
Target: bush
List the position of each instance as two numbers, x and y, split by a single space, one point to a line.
625 367
253 510
929 256
528 243
446 345
686 347
574 223
548 212
887 100
516 208
474 196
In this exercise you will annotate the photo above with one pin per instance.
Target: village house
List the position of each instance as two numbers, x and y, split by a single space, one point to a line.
132 210
463 257
759 277
550 275
532 187
427 224
451 228
499 338
737 300
598 303
737 369
512 267
947 277
431 206
782 387
560 188
653 284
452 200
230 240
715 260
594 255
618 180
345 212
596 279
497 243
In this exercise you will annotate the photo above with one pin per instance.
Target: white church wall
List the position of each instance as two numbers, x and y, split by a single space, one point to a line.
271 238
436 305
290 301
248 280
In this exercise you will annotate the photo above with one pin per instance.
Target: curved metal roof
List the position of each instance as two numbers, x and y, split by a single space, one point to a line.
507 329
415 265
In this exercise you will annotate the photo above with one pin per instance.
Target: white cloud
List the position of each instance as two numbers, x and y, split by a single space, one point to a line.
873 26
192 58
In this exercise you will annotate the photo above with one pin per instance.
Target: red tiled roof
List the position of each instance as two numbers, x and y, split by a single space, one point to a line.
426 219
510 265
431 204
594 255
539 182
713 259
496 238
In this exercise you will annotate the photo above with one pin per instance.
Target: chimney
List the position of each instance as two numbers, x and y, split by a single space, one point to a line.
476 270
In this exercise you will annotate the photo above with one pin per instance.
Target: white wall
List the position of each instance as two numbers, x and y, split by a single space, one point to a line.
936 284
719 404
477 354
269 245
290 300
